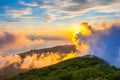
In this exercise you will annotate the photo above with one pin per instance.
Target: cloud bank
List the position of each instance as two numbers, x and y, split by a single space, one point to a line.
103 42
35 60
14 41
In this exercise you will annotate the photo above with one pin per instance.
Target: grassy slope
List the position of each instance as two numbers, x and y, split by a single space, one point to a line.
80 68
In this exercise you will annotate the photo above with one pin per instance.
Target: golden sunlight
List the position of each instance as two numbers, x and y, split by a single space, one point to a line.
84 29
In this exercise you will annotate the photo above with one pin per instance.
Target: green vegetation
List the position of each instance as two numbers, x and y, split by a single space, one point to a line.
80 68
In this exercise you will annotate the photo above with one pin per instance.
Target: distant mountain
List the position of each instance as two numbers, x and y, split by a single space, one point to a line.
80 68
11 69
59 49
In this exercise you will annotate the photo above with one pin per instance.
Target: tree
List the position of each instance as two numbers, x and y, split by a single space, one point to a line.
86 74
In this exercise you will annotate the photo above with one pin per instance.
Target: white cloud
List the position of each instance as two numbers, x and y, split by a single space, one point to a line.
109 9
19 12
28 4
74 5
28 17
77 7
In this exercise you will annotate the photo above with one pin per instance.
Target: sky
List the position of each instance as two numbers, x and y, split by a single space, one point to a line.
35 24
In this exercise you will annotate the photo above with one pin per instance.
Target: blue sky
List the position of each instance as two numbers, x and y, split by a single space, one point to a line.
58 11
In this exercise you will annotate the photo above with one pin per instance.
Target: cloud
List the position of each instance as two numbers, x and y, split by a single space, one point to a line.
110 45
47 17
28 17
19 12
103 42
33 4
82 38
10 20
75 7
35 60
118 58
109 9
8 60
47 38
103 25
14 41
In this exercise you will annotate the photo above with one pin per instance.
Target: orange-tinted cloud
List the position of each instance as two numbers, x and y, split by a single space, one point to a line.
9 40
87 35
35 60
82 36
8 60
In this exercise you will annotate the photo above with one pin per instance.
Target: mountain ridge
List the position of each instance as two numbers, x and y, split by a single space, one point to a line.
59 49
81 68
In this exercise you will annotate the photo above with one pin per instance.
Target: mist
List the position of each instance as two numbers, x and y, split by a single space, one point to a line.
103 42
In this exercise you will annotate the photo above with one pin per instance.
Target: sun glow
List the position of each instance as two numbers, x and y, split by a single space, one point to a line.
83 30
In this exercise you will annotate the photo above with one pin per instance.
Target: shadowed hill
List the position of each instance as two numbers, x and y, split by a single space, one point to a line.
80 68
